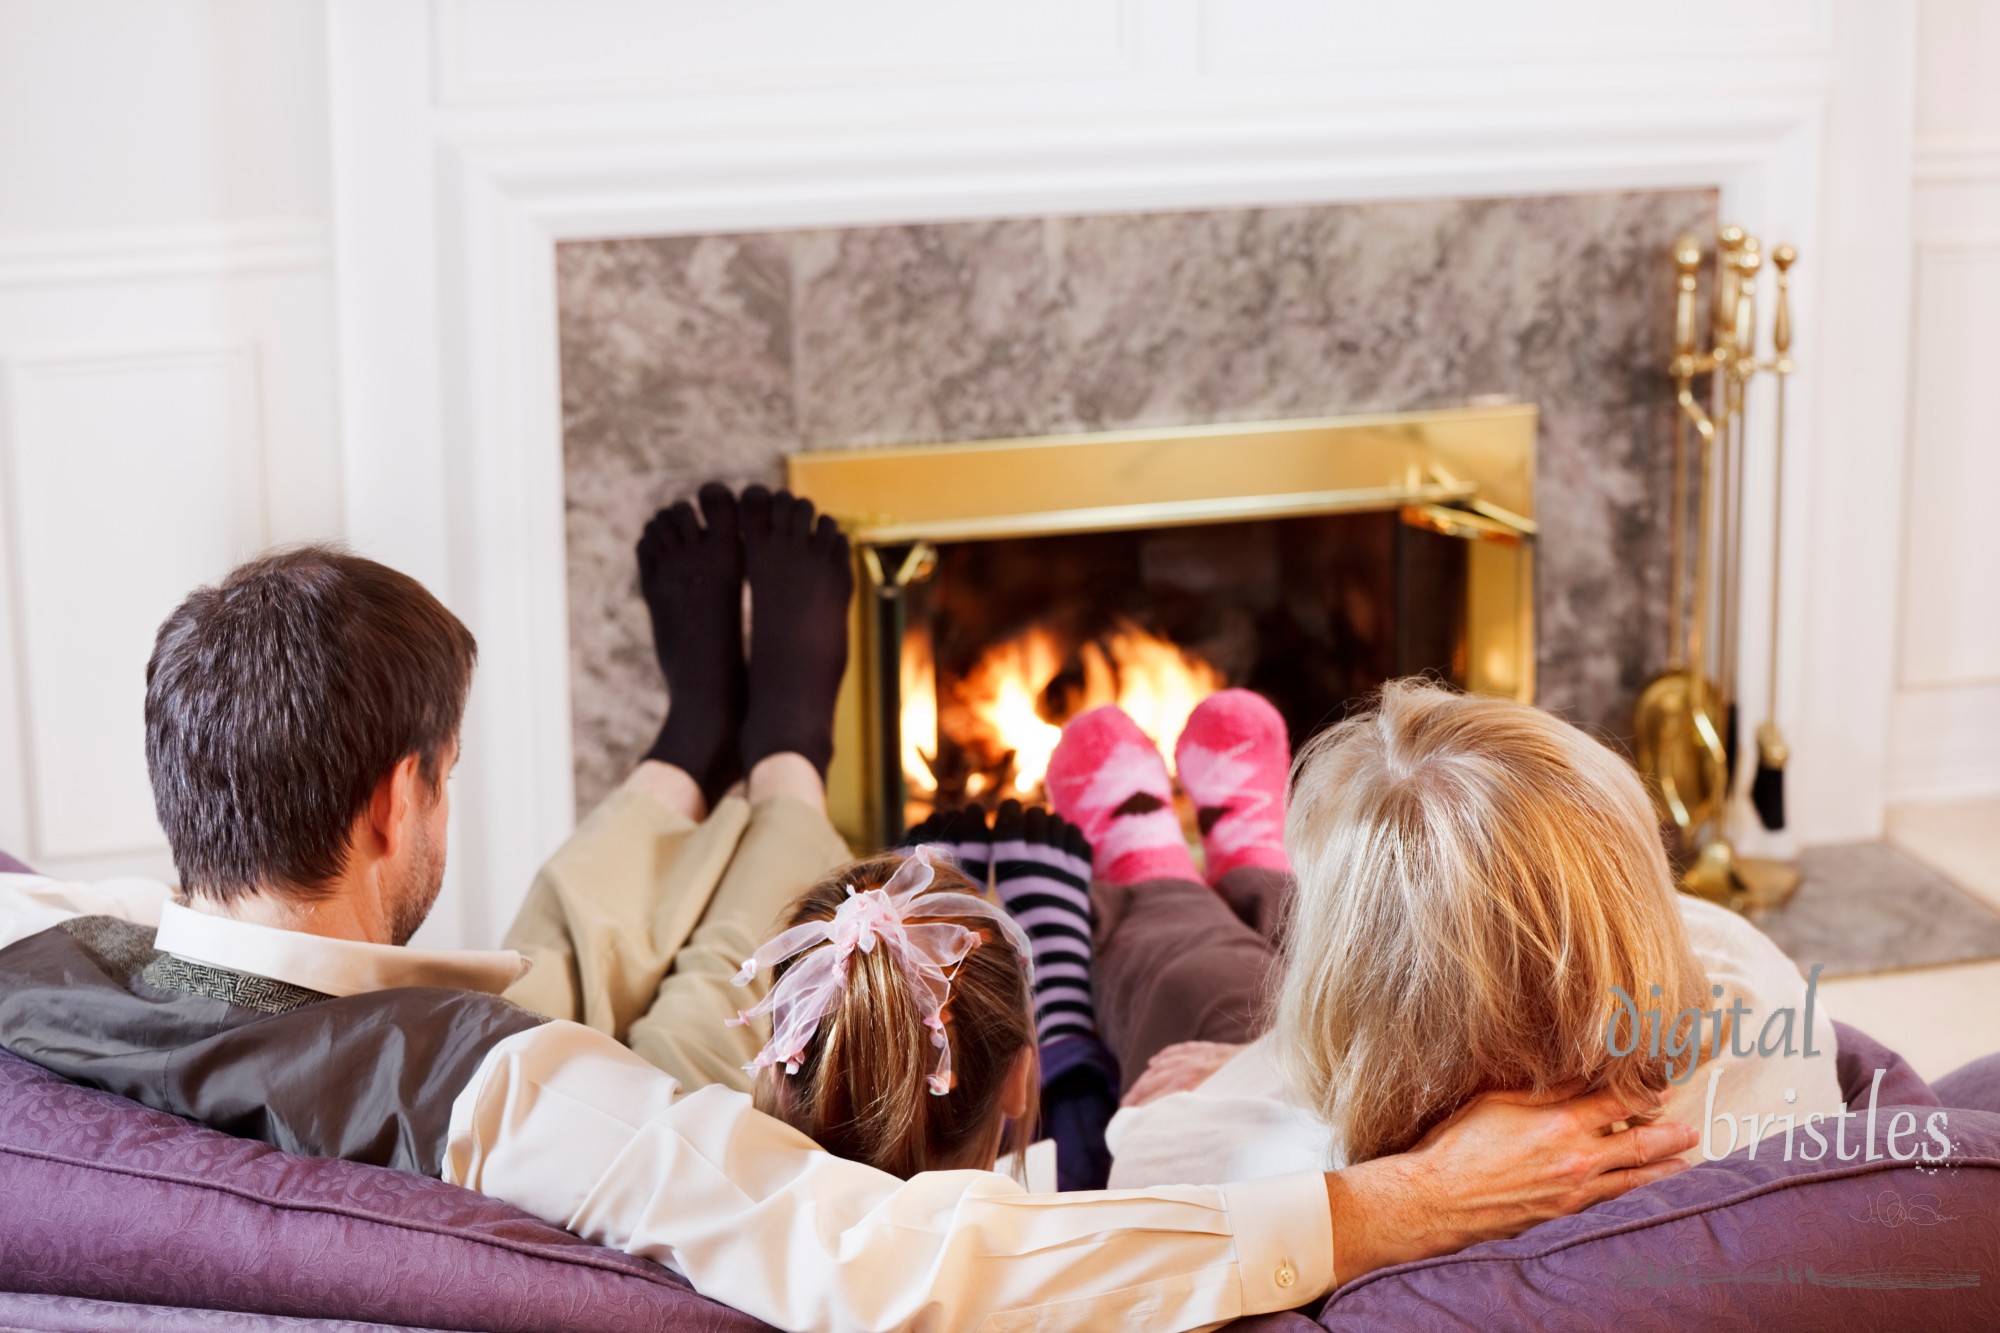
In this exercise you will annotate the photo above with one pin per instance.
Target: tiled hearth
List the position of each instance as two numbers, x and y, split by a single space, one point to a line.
690 357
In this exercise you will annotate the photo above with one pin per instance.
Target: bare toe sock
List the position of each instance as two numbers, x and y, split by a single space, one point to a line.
691 573
1234 760
962 834
1041 870
800 579
1108 779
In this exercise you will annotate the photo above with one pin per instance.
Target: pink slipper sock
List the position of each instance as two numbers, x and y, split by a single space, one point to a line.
1108 779
1234 762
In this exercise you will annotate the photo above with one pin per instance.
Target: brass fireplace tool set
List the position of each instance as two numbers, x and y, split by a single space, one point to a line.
1685 722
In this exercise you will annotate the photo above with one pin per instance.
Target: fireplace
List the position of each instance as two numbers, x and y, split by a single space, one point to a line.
1009 585
894 350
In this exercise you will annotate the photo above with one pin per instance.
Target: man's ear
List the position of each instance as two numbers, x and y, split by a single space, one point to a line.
395 800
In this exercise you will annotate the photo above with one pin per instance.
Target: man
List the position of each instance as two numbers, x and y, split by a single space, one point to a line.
302 720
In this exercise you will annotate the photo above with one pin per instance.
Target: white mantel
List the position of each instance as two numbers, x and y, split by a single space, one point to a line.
470 138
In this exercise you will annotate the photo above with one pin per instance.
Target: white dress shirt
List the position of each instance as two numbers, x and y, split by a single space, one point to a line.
567 1124
1243 1122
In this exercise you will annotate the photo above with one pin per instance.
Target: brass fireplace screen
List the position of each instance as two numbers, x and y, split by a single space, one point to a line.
1165 563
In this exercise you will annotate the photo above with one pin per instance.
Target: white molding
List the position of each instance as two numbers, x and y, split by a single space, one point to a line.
258 245
239 361
1522 44
1934 786
455 87
1956 160
1948 249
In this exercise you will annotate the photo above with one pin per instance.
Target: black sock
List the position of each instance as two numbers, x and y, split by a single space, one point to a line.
963 836
800 582
1041 870
692 577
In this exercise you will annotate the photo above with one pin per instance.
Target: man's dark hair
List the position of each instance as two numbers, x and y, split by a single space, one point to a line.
277 700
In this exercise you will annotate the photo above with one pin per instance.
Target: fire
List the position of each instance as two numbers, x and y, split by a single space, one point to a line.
920 713
1003 693
1004 706
1156 682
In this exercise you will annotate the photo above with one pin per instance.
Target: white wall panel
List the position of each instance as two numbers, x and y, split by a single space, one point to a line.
1958 97
132 478
167 366
504 50
152 112
1945 742
113 347
1951 588
1945 730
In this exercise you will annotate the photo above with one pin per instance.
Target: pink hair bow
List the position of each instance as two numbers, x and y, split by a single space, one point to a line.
926 950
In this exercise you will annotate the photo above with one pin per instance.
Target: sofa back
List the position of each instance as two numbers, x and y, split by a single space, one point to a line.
113 1206
104 1199
1765 1244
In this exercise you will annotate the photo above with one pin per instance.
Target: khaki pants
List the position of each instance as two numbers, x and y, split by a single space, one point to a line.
637 924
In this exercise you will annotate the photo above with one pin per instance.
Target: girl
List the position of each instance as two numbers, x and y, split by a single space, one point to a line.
903 1031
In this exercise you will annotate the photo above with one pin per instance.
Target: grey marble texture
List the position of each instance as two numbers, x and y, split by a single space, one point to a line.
1867 907
690 357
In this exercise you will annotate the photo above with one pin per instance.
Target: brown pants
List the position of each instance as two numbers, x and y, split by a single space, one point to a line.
1179 961
637 925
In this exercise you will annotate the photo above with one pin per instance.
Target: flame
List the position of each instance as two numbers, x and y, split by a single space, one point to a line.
920 710
1003 692
1000 700
1157 682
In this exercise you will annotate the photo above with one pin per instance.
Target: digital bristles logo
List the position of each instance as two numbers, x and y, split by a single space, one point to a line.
1785 1034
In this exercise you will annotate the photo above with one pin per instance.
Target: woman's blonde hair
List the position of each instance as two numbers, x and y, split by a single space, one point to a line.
1474 875
862 1090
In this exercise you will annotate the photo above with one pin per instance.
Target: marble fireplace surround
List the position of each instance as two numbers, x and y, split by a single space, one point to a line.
690 357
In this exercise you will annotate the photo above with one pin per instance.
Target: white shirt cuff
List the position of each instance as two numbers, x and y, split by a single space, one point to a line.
1284 1240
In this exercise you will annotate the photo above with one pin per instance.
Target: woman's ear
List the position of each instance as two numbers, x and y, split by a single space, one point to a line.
1017 1094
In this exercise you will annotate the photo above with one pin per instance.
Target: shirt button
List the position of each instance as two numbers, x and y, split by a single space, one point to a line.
1285 1276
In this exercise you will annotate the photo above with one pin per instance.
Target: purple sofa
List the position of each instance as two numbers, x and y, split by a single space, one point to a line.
115 1216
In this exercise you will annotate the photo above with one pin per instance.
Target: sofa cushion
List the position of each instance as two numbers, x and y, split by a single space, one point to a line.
1860 1057
1742 1243
104 1199
74 1314
1975 1087
1739 1244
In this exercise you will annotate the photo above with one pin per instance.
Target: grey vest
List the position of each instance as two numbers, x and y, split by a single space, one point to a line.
370 1078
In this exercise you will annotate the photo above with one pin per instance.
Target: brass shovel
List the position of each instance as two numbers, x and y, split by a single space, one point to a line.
1678 745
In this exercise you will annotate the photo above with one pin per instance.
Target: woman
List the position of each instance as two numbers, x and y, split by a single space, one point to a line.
1477 884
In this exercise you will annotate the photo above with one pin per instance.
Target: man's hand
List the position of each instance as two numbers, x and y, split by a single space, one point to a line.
1506 1161
1182 1067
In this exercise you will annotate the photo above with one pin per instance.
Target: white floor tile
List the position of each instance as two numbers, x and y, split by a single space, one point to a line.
1936 1018
1958 839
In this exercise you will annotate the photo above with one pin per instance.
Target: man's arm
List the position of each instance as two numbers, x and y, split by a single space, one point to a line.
567 1124
1502 1164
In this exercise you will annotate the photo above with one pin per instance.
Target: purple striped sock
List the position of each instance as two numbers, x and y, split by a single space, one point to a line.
1041 869
962 834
